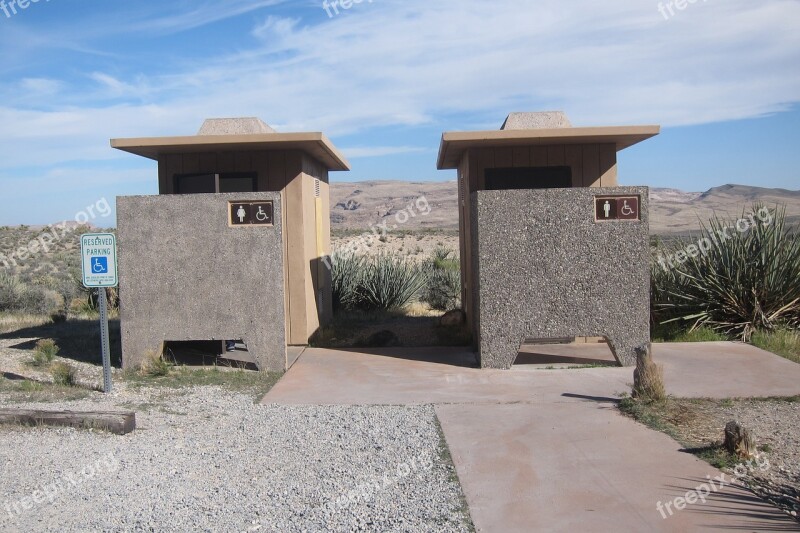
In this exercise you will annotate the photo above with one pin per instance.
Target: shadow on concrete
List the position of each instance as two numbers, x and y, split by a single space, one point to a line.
528 358
598 399
731 500
78 340
451 356
566 355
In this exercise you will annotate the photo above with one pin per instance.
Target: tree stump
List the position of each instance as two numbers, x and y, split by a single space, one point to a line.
648 377
739 440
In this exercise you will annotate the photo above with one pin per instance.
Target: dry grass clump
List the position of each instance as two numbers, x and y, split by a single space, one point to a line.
155 365
63 374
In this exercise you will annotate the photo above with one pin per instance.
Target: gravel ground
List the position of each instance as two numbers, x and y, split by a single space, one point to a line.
776 424
204 459
775 474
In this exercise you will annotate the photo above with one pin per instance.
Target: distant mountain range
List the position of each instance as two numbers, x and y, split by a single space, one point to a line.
357 205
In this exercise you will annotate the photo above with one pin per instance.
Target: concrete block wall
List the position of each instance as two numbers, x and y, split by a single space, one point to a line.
545 269
185 274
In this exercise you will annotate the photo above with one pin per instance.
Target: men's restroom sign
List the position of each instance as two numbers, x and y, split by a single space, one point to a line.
616 208
99 259
251 213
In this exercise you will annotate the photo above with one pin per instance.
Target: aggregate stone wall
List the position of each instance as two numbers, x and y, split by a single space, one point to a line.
186 275
545 269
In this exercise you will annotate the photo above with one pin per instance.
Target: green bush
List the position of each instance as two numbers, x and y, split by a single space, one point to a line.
379 283
443 289
346 272
737 285
11 289
388 283
17 296
44 353
63 374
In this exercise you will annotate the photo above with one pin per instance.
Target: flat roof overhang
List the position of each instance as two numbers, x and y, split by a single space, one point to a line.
454 144
314 143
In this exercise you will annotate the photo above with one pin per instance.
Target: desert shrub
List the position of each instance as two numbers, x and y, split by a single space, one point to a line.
379 283
63 374
346 272
388 283
11 289
44 353
737 285
18 296
443 288
155 365
39 301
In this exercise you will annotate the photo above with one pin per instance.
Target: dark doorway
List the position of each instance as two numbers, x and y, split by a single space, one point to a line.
216 183
501 179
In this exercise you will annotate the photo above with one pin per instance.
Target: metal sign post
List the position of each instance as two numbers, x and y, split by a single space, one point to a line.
99 265
105 345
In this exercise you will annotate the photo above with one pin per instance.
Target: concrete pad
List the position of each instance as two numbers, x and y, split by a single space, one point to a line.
546 450
446 375
394 376
725 370
584 467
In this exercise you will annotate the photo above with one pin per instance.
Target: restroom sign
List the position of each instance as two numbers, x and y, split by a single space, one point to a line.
607 208
99 260
251 213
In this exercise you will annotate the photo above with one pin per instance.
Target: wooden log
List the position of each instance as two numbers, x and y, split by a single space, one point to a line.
648 377
739 440
119 423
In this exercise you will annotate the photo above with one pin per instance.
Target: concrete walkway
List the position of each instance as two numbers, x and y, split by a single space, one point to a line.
546 450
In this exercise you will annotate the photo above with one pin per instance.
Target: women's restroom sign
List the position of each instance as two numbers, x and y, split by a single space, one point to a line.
616 208
251 213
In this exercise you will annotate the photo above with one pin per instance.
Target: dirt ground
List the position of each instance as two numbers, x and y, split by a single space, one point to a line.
416 246
699 425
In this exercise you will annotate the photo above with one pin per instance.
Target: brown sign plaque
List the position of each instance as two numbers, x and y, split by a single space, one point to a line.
251 213
608 208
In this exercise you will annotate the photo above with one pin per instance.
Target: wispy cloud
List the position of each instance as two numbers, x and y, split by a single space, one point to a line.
192 14
399 63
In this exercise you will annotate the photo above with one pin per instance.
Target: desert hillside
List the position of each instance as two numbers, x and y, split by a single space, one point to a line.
357 205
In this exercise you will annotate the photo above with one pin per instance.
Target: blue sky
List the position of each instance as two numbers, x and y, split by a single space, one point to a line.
384 79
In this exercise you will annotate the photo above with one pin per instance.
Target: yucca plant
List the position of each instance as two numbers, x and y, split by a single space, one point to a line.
388 283
346 272
11 292
739 282
443 290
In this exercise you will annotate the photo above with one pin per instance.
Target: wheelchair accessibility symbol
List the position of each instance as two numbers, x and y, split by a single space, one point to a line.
99 265
626 209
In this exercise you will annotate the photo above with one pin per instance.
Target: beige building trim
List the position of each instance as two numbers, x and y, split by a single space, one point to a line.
454 144
314 143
